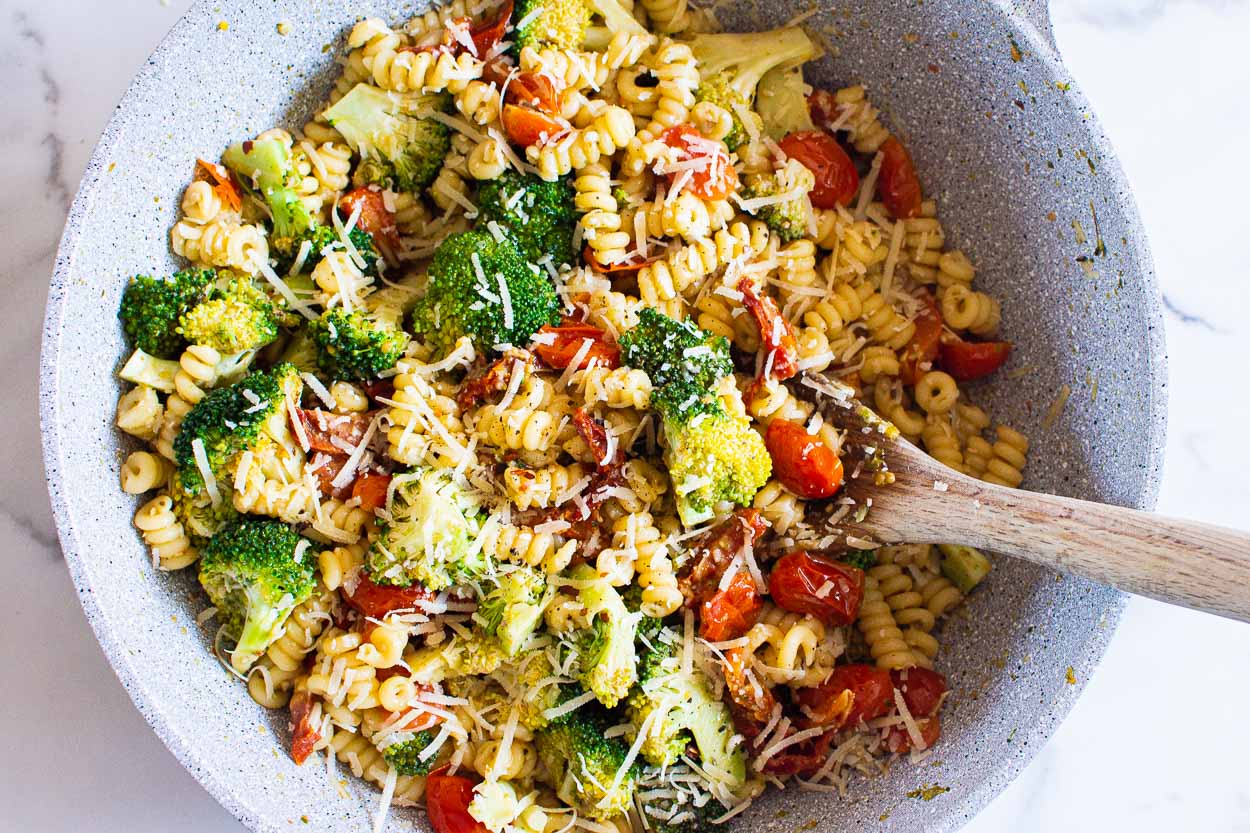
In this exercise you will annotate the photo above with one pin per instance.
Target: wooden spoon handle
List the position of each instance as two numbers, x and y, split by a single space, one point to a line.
1195 565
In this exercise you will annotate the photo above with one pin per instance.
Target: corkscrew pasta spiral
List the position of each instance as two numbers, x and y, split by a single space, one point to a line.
140 413
541 487
221 242
967 309
881 632
143 472
200 203
522 545
611 128
164 535
860 118
600 217
197 371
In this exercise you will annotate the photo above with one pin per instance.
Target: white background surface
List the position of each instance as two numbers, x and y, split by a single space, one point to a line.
1158 742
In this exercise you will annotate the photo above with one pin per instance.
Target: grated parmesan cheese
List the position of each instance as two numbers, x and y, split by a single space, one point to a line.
348 473
206 471
785 743
320 390
868 187
285 291
568 706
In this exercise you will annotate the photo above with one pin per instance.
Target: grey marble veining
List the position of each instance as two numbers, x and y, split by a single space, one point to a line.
1125 759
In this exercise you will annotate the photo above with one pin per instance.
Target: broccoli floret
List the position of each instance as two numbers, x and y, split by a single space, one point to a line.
405 756
529 671
151 308
731 65
788 219
682 361
301 351
232 319
143 369
426 534
584 764
781 101
266 167
400 147
676 708
715 457
648 626
513 609
566 24
228 420
200 518
863 559
470 654
712 455
473 655
321 237
537 215
468 278
558 24
607 660
250 572
356 345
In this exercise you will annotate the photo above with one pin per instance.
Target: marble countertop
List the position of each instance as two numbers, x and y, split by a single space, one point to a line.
1156 744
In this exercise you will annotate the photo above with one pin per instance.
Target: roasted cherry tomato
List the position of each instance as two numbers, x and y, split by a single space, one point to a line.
921 688
487 35
836 177
753 703
713 551
803 463
713 181
371 489
968 360
804 758
923 346
323 429
731 612
534 90
528 89
797 583
898 740
871 693
897 184
328 468
304 733
377 600
223 185
777 340
595 434
374 217
558 346
447 799
529 127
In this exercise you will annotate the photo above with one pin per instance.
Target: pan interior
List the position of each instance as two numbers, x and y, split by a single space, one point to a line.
1026 187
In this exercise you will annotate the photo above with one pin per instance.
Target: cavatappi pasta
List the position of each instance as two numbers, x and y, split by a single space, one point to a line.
475 408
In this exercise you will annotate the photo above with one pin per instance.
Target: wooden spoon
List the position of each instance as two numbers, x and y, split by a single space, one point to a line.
911 497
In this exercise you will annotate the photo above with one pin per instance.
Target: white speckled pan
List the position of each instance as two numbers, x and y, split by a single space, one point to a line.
1000 137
